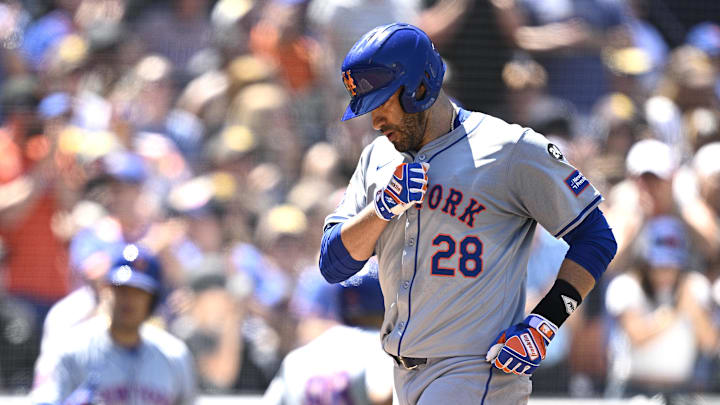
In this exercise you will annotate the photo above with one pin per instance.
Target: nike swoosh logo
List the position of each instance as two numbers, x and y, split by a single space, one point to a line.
383 165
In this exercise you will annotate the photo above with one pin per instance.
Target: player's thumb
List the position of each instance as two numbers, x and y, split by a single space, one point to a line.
494 351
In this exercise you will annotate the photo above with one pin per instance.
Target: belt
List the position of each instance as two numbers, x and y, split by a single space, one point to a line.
409 363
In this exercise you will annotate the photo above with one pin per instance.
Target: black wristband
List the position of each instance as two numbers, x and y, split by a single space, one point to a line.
561 301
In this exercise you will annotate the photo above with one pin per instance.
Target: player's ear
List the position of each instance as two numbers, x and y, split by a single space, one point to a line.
420 93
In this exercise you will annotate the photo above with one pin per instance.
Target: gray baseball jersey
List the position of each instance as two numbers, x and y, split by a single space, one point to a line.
453 270
93 369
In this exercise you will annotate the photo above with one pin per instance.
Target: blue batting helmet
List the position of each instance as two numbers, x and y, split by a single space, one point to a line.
136 267
387 58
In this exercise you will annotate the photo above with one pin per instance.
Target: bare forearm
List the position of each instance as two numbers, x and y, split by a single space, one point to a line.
643 328
577 276
360 233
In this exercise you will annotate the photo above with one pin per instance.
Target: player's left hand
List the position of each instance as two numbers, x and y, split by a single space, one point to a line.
520 348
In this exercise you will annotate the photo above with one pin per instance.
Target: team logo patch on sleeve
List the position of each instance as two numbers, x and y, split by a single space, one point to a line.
554 151
576 182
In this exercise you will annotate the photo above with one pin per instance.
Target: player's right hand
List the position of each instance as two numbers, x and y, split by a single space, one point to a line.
407 187
520 348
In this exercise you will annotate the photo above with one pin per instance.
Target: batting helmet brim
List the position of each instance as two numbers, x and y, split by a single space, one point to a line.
371 88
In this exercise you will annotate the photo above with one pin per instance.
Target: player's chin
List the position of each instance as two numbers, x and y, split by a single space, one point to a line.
400 144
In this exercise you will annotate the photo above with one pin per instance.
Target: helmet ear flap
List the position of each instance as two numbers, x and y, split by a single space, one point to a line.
410 101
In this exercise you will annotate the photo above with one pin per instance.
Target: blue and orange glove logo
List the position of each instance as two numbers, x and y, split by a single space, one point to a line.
521 348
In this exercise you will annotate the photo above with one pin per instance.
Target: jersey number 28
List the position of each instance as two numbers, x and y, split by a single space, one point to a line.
469 262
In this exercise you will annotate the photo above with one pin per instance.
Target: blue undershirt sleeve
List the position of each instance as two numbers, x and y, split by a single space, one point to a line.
592 244
336 264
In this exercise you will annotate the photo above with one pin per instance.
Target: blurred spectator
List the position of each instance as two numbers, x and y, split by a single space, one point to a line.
651 52
474 57
77 307
706 37
528 103
178 30
312 374
41 35
702 126
279 144
629 69
615 125
661 318
127 219
566 37
233 351
647 193
690 79
122 358
281 37
698 194
35 197
281 237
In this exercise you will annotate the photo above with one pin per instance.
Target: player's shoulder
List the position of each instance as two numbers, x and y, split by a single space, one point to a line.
70 309
80 340
163 341
533 145
487 132
501 130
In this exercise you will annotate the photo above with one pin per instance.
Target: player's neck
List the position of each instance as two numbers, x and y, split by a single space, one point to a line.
124 336
440 119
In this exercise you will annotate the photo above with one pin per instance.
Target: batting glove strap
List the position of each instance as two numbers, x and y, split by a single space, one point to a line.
547 329
521 348
406 188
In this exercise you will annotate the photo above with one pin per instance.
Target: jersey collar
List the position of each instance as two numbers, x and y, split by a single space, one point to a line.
465 122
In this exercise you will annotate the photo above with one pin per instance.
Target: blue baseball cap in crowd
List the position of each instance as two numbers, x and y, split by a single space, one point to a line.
706 37
136 267
55 105
126 167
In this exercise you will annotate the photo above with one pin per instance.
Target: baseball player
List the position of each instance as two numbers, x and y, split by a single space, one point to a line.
324 372
448 200
123 361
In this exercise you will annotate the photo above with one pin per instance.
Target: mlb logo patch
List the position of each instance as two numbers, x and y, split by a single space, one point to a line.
576 182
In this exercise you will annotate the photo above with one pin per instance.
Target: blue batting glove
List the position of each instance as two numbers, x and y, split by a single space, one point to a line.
520 348
407 187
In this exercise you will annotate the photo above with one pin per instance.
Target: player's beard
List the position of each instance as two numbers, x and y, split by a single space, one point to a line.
409 135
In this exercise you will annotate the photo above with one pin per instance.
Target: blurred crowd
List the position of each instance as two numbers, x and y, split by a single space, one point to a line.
208 132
